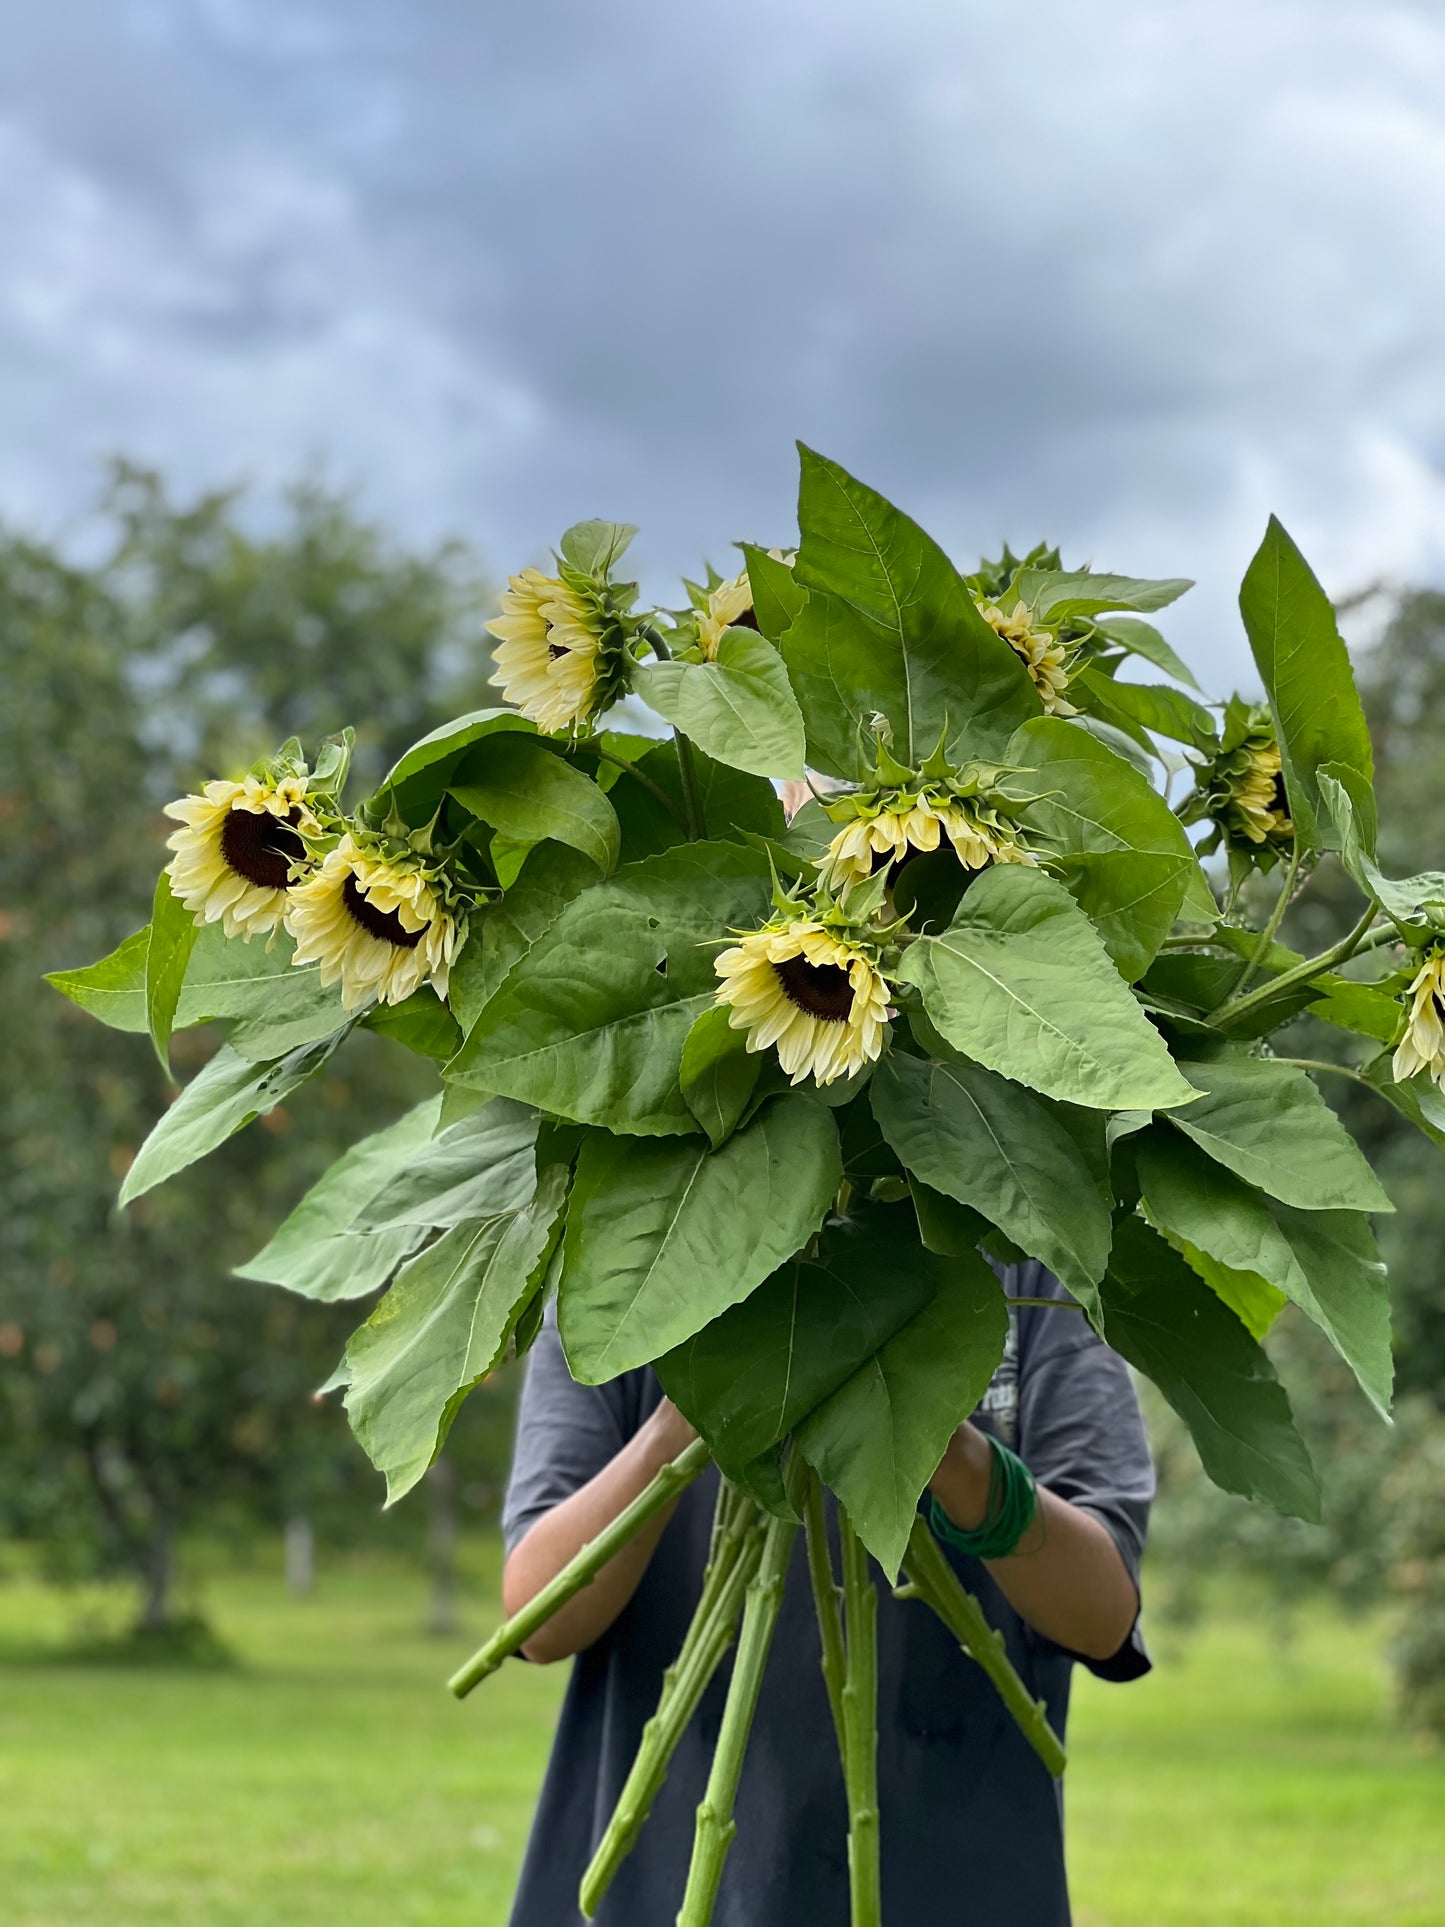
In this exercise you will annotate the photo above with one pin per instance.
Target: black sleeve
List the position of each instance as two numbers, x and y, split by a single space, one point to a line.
1081 1434
566 1432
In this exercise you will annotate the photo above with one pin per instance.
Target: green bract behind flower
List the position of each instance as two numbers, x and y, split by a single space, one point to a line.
239 852
903 810
377 921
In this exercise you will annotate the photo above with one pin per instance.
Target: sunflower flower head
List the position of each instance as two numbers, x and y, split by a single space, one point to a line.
729 605
566 638
903 811
240 852
808 985
1242 788
726 605
1045 655
552 642
1258 806
1422 1048
379 918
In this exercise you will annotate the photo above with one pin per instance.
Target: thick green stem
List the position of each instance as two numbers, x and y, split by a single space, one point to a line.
581 1570
1360 939
1339 1070
737 1547
1276 918
825 1598
715 1823
936 1583
1047 1304
687 769
691 794
860 1730
669 803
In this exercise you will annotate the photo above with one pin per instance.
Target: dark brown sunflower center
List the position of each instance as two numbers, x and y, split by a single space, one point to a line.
385 925
1277 798
260 847
747 620
556 651
823 990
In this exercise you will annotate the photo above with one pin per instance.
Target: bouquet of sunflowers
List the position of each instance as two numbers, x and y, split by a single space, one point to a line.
706 1067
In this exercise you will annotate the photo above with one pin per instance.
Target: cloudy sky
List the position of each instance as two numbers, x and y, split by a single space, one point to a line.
1128 274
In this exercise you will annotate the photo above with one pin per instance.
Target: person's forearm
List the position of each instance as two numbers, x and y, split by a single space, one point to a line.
1066 1578
561 1533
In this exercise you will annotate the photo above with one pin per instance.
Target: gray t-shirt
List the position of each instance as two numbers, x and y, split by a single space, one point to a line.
972 1825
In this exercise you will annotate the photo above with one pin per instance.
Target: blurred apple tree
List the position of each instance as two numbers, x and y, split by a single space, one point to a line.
138 1387
1383 1536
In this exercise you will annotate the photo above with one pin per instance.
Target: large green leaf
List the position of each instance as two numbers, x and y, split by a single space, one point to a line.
590 1024
419 779
1306 672
421 1022
735 805
889 627
944 1225
1021 983
312 1251
596 547
1134 706
995 1146
1325 1261
113 988
750 1376
777 593
662 1237
1122 852
739 708
288 1012
499 933
1254 1302
531 794
878 1439
173 937
1143 639
1054 594
255 983
1188 985
1171 1327
718 1073
1416 1099
479 1167
1270 1126
1365 1009
227 1094
1411 902
439 1330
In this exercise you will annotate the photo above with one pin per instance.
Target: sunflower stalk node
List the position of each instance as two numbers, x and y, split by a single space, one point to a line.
934 1582
581 1570
715 1824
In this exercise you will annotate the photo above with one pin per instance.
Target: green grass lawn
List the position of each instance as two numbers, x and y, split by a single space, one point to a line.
328 1777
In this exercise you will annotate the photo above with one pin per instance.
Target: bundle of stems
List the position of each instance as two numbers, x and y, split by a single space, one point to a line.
742 1591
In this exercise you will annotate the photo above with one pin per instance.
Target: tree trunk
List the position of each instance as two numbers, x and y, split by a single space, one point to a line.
441 1547
300 1555
159 1574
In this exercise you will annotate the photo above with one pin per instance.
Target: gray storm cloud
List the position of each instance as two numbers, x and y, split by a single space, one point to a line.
1129 275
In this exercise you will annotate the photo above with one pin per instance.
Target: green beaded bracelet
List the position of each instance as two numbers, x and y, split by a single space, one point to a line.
1012 1502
